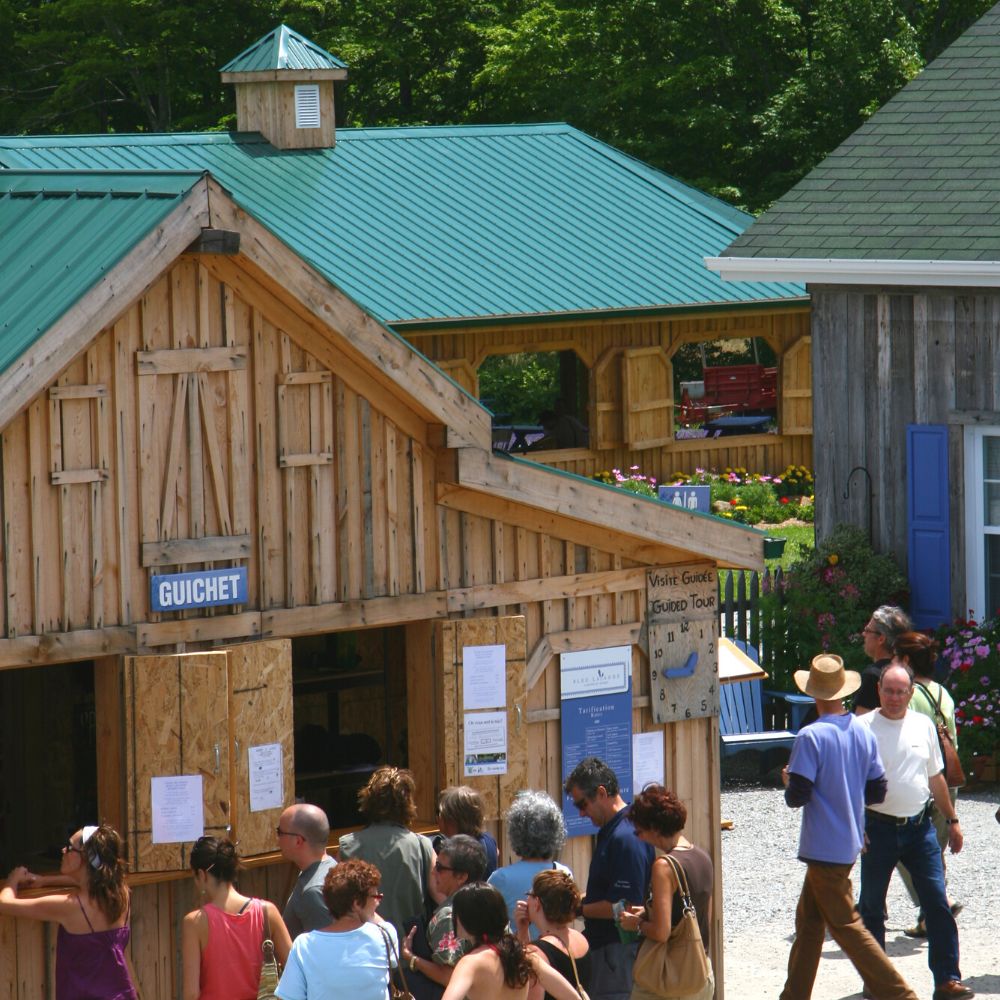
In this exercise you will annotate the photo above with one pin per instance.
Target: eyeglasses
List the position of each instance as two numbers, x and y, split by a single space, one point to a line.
285 833
581 804
69 846
870 631
376 895
438 867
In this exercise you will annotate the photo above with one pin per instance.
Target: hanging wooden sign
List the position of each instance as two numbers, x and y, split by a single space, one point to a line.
683 609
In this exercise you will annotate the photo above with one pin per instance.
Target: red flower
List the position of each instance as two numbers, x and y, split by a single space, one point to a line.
977 720
784 500
967 665
959 714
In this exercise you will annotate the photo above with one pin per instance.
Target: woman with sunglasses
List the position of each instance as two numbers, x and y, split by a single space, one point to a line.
350 958
92 915
497 966
221 940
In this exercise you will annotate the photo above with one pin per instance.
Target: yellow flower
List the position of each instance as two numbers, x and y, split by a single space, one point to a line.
833 559
739 507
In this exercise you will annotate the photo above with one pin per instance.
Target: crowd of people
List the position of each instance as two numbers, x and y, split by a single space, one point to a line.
444 918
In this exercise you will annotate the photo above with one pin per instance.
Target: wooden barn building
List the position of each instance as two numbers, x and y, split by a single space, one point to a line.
236 506
897 233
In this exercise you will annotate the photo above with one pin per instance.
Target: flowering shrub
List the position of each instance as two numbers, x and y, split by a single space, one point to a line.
823 601
634 482
970 653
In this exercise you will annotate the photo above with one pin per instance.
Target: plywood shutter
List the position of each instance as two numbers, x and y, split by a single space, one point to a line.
176 722
796 388
606 397
647 398
453 636
260 696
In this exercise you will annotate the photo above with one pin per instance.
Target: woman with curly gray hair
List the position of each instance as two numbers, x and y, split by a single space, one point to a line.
537 833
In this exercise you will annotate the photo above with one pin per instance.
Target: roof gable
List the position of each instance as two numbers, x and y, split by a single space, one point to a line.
468 223
919 181
282 49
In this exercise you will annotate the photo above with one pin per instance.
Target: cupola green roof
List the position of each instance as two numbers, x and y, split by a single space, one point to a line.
283 49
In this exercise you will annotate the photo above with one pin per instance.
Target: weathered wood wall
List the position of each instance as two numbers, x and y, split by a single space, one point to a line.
600 344
885 358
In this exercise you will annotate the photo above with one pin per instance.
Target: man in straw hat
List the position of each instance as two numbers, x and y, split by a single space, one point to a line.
833 771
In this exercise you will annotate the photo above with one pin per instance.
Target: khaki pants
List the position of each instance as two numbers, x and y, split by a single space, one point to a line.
827 902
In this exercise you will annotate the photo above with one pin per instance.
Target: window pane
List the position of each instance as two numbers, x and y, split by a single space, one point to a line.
991 457
991 504
992 575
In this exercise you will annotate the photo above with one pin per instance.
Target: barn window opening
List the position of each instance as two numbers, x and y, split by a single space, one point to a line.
539 400
725 388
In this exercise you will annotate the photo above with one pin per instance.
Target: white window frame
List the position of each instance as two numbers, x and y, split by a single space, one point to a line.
976 528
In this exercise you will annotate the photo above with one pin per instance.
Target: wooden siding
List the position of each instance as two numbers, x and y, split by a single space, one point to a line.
885 358
601 346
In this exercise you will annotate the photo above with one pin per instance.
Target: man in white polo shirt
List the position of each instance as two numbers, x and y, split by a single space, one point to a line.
900 828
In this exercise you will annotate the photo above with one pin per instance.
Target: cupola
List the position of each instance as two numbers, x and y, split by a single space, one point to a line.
284 90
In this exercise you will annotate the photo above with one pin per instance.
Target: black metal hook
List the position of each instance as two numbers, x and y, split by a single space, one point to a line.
871 497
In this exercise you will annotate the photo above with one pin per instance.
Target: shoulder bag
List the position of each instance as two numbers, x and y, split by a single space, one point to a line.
576 975
677 967
395 993
269 971
953 774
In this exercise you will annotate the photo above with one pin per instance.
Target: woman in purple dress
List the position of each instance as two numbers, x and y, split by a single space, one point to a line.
92 916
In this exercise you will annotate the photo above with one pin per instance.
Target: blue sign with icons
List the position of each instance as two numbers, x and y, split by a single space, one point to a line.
207 588
596 720
697 498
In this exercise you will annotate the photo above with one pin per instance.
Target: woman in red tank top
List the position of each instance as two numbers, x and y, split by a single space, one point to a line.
221 940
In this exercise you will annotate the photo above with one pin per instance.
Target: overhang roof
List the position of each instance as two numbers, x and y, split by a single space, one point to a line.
460 224
919 181
63 231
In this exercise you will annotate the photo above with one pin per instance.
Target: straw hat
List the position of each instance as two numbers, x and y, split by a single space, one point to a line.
826 679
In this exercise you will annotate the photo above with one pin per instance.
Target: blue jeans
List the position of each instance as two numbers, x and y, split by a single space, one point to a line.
915 844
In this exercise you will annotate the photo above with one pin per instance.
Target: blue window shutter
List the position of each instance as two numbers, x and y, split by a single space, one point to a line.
928 539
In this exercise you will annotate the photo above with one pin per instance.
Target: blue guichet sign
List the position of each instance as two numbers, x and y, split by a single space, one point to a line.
596 720
697 498
206 588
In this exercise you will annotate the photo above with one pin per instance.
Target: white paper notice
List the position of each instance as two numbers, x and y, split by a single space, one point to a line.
266 777
485 743
178 809
484 677
647 760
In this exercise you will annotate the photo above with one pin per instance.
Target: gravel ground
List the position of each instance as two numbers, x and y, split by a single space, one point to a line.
762 879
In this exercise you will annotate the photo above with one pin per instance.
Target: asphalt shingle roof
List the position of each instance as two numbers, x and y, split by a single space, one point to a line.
458 223
920 180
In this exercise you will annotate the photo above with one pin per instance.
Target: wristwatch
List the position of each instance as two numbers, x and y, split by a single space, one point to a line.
413 963
952 822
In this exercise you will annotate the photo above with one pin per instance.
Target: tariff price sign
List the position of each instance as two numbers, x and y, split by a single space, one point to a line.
683 614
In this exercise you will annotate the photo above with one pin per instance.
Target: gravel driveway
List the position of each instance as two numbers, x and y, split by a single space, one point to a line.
762 879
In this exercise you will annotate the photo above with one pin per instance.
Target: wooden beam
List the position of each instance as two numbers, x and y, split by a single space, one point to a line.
553 588
579 639
101 305
363 337
610 509
377 611
185 630
61 647
184 360
179 551
555 714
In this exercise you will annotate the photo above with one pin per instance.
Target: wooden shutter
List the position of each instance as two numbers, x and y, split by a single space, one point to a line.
606 401
647 398
795 399
928 529
194 459
176 722
452 637
260 697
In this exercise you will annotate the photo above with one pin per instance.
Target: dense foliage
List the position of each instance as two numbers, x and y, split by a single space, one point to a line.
823 601
739 97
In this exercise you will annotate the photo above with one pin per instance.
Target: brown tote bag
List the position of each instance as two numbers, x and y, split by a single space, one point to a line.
954 776
677 967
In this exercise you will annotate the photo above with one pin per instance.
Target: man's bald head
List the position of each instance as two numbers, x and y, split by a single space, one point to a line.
309 822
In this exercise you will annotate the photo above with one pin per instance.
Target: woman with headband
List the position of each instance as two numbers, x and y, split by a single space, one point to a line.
92 916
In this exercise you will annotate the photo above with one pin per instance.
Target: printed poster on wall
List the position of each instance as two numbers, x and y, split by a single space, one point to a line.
596 717
485 743
178 808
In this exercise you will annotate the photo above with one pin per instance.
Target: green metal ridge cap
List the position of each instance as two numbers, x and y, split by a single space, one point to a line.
15 142
385 132
282 49
166 183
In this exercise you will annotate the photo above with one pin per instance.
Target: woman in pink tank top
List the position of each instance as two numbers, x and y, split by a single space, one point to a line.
92 917
221 940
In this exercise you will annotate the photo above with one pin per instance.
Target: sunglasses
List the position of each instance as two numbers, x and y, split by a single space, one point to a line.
581 804
438 867
376 895
69 846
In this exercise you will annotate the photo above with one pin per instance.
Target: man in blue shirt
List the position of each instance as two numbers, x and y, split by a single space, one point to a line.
833 771
619 870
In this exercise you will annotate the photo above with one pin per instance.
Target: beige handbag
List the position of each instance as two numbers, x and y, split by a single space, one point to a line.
677 967
269 971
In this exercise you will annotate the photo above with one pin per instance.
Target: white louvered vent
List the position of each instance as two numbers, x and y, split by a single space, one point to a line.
307 105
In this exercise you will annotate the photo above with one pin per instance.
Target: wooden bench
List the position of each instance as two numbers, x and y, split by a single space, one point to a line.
741 720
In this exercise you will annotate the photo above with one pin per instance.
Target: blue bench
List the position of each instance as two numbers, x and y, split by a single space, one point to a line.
741 720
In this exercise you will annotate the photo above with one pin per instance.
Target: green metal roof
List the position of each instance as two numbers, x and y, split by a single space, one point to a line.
464 223
920 180
282 49
63 231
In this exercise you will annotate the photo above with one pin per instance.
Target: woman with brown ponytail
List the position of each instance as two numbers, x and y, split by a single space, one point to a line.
92 916
498 967
221 940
